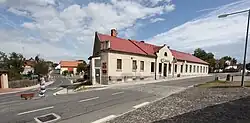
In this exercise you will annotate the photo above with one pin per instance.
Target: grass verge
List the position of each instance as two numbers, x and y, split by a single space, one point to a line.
223 84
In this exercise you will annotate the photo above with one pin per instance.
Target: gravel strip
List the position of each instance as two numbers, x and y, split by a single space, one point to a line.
158 90
195 105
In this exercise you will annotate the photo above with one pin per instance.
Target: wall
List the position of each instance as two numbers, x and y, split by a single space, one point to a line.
127 70
167 59
93 72
4 80
66 68
27 69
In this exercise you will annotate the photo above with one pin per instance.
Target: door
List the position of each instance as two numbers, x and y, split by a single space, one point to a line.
97 75
165 70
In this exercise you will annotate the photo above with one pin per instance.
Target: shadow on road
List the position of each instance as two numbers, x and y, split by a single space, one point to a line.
237 111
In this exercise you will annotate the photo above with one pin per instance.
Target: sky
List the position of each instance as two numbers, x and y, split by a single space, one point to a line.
64 29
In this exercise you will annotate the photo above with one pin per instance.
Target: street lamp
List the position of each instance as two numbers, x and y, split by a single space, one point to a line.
244 60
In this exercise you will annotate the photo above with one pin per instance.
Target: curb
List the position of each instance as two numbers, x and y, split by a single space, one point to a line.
25 89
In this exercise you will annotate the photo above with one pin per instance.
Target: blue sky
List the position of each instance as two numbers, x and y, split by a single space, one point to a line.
64 29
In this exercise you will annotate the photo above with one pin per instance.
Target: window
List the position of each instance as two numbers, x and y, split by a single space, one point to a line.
152 66
181 68
169 68
97 63
186 68
194 69
165 54
206 69
200 69
190 68
134 65
197 69
119 64
175 68
160 67
105 45
203 69
142 66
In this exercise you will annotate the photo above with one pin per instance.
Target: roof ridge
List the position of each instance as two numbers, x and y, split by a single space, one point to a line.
138 46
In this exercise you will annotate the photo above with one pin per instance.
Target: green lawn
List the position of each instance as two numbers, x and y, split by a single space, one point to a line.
222 84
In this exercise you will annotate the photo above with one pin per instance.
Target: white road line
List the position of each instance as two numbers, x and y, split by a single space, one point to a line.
3 103
118 93
105 119
41 109
140 105
88 99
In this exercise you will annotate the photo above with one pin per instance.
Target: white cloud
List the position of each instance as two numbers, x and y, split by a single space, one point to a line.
209 31
2 1
59 24
153 20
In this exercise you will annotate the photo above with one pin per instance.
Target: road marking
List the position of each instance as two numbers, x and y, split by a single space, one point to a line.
140 105
118 93
31 111
3 103
88 99
105 119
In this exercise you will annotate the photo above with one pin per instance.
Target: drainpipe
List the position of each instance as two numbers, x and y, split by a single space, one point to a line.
155 66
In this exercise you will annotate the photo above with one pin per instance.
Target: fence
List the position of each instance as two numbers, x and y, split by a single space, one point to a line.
22 83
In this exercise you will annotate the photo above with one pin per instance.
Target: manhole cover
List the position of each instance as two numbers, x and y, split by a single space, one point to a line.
47 118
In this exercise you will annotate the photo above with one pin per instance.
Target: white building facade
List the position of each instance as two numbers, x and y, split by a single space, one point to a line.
119 60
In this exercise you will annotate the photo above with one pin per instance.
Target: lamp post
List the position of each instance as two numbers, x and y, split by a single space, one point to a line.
244 59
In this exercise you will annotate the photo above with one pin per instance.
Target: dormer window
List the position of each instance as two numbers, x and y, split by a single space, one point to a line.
165 54
105 45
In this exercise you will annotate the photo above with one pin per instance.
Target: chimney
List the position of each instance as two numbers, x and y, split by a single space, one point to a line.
143 41
113 32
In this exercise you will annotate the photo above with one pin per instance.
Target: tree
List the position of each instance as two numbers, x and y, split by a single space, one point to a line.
208 57
66 72
81 67
41 67
3 60
16 62
234 61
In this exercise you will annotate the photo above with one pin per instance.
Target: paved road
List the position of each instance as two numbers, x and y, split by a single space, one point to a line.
88 106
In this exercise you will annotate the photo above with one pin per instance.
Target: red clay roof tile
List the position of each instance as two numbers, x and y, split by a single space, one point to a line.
69 63
132 46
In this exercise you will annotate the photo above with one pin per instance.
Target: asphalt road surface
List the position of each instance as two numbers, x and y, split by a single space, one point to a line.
81 107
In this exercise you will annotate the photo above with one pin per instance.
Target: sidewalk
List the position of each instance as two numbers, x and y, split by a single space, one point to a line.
16 90
121 84
153 81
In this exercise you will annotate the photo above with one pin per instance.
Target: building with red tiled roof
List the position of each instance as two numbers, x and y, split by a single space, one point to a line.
70 66
117 59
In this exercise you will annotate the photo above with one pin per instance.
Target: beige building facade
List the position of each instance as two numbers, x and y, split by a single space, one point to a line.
109 64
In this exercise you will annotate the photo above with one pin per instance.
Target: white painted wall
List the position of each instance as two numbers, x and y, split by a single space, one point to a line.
27 69
4 80
127 65
110 58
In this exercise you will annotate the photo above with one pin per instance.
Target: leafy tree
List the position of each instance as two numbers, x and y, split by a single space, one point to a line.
226 58
54 65
208 57
16 62
3 60
66 72
81 67
41 67
234 61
